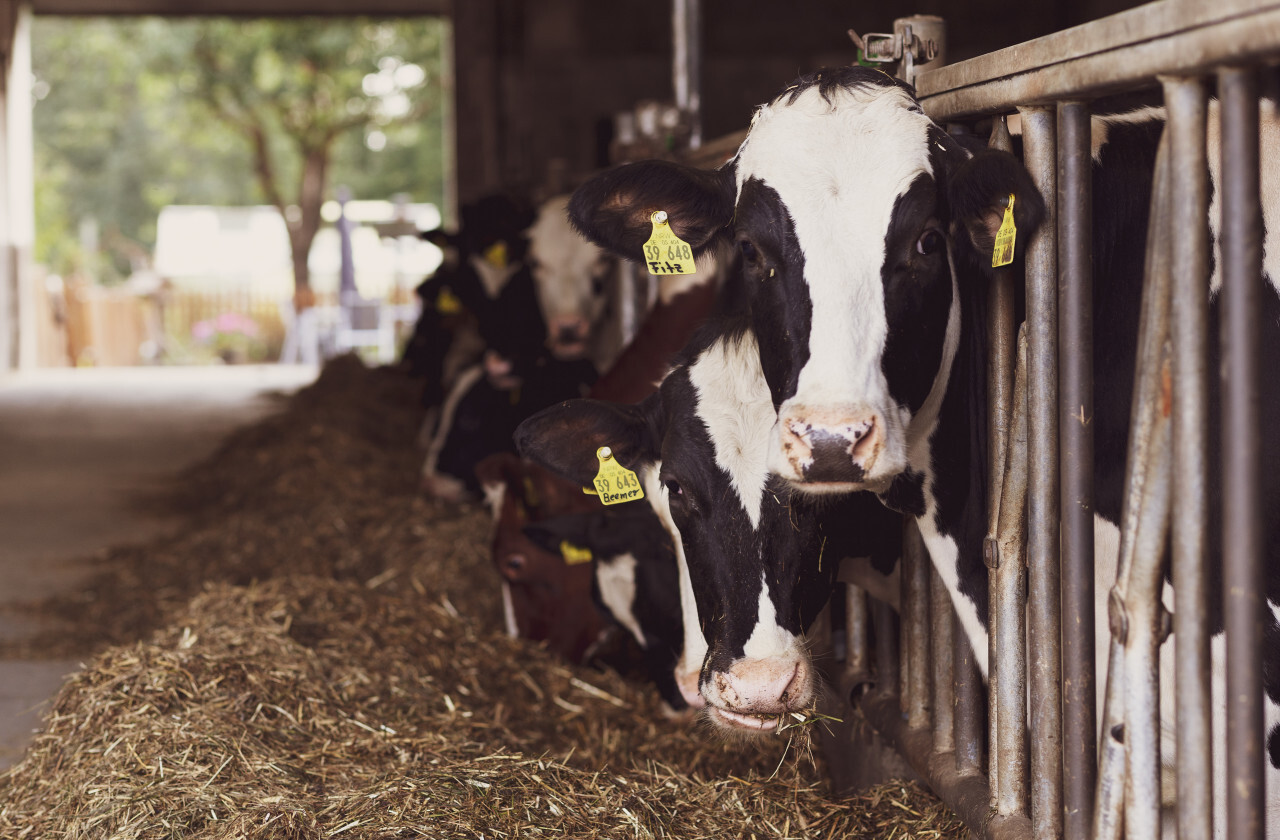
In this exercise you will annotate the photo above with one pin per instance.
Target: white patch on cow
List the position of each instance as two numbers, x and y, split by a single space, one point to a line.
921 426
768 640
838 167
492 279
694 650
616 577
944 553
565 265
671 286
1100 126
494 493
466 380
735 406
509 612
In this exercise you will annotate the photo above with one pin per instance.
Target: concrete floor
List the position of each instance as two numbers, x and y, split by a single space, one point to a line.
75 448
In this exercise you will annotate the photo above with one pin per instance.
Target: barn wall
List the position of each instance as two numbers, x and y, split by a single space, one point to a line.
538 83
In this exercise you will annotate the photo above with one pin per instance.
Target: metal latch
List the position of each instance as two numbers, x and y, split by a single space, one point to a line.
903 46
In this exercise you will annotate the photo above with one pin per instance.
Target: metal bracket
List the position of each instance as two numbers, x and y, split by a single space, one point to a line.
905 47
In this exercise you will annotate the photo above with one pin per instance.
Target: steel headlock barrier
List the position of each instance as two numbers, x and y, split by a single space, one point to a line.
1048 773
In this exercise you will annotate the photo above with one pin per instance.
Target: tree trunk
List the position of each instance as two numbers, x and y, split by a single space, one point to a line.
302 232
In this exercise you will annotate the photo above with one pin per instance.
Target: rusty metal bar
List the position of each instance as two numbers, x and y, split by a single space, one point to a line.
969 711
966 794
884 625
1187 103
915 625
944 696
1044 606
1008 642
1242 289
1005 589
1075 424
1129 786
1121 52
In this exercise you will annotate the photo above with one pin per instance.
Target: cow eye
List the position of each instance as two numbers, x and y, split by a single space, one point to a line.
748 250
930 242
673 487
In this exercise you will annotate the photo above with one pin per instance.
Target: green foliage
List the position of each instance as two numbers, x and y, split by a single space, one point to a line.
133 114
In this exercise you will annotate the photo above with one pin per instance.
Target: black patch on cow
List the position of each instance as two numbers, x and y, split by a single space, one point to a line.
852 77
1273 746
917 294
832 461
906 493
773 279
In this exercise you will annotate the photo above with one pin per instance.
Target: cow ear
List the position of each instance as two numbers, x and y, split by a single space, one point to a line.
979 194
564 438
549 533
613 209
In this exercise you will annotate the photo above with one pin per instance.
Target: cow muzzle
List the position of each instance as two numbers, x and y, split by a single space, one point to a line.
753 695
567 336
828 446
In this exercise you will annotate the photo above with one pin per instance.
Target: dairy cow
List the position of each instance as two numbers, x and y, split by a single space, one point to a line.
756 558
866 231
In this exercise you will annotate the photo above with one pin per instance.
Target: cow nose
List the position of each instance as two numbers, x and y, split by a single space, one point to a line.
832 445
754 692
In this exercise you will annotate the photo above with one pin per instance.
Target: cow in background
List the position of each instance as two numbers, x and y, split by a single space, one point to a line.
544 301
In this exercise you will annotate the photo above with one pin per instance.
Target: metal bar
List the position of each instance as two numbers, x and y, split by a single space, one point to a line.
855 636
1130 774
966 794
1124 51
1242 288
887 670
1187 104
944 696
915 625
969 712
1044 606
686 63
1000 343
1075 424
1008 644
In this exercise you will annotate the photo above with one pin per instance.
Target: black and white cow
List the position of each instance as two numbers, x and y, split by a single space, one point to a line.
756 559
865 230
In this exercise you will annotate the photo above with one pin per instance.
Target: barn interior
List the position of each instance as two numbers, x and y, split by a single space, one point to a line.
91 457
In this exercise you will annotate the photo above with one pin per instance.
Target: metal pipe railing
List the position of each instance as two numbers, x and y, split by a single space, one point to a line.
1242 289
1186 101
1043 612
1075 424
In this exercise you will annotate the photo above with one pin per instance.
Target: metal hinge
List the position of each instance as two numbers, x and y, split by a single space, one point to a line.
905 47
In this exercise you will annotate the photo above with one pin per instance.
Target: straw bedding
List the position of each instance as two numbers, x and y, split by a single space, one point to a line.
319 654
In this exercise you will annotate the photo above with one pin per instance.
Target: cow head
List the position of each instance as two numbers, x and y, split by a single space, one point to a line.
571 275
851 211
750 550
543 597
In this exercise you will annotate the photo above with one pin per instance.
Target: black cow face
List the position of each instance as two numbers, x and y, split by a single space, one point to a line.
851 211
751 557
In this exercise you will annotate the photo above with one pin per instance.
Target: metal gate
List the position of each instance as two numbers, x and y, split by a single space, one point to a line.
1044 777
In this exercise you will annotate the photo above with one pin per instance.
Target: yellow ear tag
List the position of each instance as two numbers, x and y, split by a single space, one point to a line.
530 493
574 555
1005 238
614 483
666 253
447 302
496 254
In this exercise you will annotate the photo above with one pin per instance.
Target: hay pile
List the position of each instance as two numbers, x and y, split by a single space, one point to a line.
362 686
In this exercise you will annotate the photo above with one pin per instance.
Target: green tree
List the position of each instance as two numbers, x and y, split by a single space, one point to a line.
124 124
293 89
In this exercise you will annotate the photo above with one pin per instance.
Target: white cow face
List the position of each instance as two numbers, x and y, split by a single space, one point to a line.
571 276
850 210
